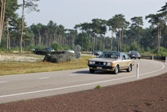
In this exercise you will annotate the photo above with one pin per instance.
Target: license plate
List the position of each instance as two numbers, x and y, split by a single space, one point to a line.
99 67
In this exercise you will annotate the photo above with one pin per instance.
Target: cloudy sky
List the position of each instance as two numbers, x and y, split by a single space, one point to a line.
71 12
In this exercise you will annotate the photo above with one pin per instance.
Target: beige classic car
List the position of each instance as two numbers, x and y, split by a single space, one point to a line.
111 61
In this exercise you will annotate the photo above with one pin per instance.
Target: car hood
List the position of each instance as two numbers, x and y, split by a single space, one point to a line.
103 59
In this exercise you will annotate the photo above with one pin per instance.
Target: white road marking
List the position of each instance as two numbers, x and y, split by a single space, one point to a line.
74 86
43 78
154 70
2 81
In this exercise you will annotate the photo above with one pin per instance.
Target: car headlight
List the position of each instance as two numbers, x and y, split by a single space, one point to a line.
91 62
111 64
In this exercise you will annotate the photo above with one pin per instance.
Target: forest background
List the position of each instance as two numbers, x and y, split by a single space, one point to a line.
15 35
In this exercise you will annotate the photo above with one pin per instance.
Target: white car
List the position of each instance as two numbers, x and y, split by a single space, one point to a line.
70 51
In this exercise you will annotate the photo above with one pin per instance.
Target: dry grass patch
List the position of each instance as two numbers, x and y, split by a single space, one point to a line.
15 67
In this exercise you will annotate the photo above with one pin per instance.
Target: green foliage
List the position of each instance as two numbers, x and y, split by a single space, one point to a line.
59 38
125 48
3 44
56 46
65 47
15 49
82 40
40 47
148 49
162 52
98 87
134 46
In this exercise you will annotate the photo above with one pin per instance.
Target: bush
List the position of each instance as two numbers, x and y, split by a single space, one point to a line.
59 56
56 46
98 87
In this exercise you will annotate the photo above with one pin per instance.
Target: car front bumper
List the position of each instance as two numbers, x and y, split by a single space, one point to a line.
101 68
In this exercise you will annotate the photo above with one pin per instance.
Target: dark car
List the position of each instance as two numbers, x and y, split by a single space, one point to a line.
134 54
96 52
49 49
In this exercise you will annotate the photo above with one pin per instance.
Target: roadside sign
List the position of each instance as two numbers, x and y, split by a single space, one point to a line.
77 48
77 51
77 54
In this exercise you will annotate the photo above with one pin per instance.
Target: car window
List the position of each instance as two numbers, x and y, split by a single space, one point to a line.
126 56
123 57
112 55
134 52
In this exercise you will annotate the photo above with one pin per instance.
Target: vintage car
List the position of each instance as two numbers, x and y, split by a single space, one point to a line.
111 61
134 54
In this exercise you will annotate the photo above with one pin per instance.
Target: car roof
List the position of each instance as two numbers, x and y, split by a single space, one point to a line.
133 51
118 52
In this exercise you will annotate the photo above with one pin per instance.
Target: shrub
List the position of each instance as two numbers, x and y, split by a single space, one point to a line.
98 87
56 46
59 56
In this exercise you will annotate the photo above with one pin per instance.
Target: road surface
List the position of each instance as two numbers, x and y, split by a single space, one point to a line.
36 85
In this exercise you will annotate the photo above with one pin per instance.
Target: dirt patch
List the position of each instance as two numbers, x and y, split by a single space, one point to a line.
17 57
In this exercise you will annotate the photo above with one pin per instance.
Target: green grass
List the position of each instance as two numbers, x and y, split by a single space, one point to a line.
98 87
9 67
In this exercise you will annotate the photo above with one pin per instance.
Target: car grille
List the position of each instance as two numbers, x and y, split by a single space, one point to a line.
99 63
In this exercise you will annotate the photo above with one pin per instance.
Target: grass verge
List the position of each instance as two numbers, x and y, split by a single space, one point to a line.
9 67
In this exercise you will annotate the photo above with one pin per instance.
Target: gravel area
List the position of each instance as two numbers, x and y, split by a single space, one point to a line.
148 95
20 58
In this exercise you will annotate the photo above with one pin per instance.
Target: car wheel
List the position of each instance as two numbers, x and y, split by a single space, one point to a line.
129 68
139 58
91 70
116 70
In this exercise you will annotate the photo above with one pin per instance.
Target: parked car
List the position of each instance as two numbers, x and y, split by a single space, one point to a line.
49 49
96 52
70 51
111 61
134 54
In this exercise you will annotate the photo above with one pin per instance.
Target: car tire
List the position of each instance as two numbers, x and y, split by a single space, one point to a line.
129 68
91 70
116 70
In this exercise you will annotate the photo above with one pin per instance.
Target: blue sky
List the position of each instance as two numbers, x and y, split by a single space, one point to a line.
71 12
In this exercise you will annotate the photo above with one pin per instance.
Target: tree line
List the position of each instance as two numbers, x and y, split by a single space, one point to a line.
125 35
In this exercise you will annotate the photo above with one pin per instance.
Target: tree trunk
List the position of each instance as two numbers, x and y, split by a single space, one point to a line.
119 41
111 39
2 16
159 38
93 45
7 36
22 28
138 37
39 37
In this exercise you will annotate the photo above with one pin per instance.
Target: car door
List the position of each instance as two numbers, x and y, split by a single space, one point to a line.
125 61
128 60
122 61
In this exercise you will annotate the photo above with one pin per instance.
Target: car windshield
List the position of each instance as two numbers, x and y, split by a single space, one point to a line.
134 52
112 55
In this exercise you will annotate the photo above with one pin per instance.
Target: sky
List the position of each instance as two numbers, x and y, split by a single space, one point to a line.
71 12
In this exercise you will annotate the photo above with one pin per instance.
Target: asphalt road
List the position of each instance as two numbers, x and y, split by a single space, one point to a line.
36 85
